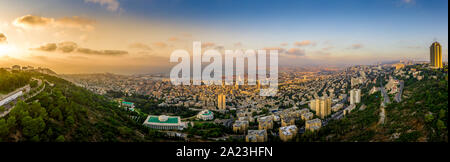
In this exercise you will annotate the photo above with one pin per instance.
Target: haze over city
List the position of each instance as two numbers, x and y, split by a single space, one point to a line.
129 37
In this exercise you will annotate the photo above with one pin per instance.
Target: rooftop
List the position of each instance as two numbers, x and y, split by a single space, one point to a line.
170 120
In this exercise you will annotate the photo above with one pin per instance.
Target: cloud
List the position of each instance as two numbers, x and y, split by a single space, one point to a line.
284 44
238 44
2 38
304 43
140 46
280 50
173 39
188 35
356 46
208 44
111 5
101 52
28 21
160 44
283 51
296 52
409 1
49 47
31 21
75 22
69 47
328 48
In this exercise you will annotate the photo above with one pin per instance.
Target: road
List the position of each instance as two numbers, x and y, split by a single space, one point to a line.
398 96
8 107
382 115
385 95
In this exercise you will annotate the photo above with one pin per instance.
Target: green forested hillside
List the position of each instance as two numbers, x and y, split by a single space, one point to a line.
65 112
9 81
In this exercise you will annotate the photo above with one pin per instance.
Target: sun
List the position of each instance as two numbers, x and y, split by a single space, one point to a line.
5 49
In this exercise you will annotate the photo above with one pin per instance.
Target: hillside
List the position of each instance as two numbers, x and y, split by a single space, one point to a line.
422 116
64 112
11 81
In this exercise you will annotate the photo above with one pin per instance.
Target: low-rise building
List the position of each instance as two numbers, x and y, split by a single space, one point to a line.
307 116
288 132
256 136
313 125
128 105
287 121
337 107
240 126
265 122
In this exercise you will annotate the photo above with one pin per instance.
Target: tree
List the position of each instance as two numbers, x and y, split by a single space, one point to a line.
60 138
34 84
3 128
2 108
442 114
37 111
56 114
429 118
49 132
124 131
11 122
440 124
69 121
35 138
32 127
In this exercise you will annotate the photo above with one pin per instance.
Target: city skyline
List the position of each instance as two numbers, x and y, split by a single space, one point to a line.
130 37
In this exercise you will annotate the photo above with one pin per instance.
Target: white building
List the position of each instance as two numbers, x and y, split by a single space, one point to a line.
355 96
164 122
205 115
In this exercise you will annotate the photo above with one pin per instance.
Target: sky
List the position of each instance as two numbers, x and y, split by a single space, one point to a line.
138 36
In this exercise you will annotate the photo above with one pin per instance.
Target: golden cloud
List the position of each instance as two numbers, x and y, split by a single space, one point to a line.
208 44
69 47
296 52
279 49
160 44
356 46
173 39
140 46
304 43
31 21
2 38
101 52
49 47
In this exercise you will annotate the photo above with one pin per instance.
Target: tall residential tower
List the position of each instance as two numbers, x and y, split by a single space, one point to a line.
436 55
